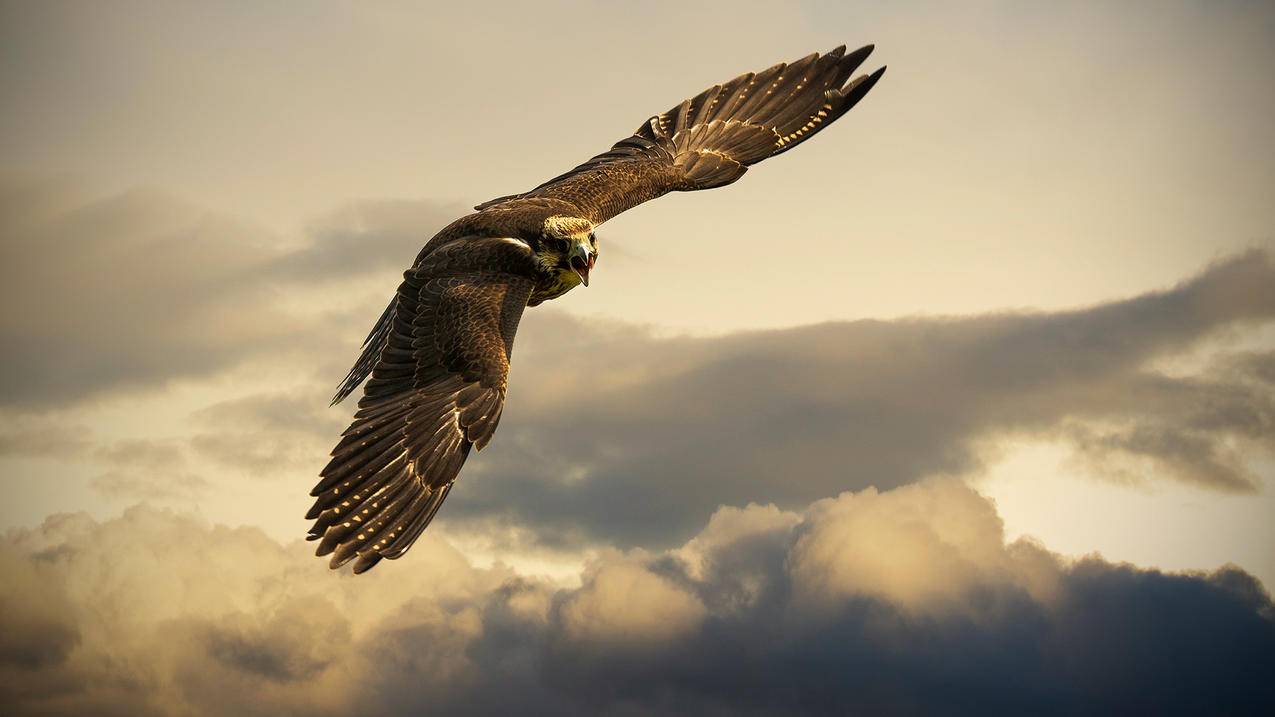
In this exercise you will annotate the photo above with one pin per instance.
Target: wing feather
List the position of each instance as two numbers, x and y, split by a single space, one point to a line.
711 139
435 365
437 390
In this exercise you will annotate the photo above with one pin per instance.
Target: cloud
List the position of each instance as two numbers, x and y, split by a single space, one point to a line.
126 291
137 289
39 630
366 237
615 435
171 485
611 433
265 434
916 547
130 469
624 603
900 600
293 643
30 437
147 470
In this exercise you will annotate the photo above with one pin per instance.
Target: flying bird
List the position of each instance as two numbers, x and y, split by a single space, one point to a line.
439 355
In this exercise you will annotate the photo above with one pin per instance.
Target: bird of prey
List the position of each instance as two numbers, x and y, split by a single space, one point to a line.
439 355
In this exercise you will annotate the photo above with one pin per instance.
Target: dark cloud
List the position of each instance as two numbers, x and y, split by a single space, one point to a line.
126 291
1255 366
899 601
610 430
297 642
612 434
137 289
366 237
40 631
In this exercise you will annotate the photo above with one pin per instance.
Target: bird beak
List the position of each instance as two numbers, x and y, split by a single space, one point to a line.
582 261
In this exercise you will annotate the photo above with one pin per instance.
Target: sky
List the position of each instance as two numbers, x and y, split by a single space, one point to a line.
968 405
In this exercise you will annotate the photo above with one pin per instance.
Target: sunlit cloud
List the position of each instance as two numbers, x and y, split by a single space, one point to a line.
861 601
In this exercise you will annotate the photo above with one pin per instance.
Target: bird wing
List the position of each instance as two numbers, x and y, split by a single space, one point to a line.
711 139
439 360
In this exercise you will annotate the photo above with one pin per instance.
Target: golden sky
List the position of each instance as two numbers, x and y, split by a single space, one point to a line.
990 362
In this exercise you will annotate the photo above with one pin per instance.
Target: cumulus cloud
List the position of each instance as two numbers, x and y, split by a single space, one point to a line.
916 547
623 603
908 599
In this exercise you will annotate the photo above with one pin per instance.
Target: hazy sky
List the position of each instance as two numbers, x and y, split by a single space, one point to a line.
1026 289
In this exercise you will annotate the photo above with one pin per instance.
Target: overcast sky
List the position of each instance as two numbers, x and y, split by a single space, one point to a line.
918 416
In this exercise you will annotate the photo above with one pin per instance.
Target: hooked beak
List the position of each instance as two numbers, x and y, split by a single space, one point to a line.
582 261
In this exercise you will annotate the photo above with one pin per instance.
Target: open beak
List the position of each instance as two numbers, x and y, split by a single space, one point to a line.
582 261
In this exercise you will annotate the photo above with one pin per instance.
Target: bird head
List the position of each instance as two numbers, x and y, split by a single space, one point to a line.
568 247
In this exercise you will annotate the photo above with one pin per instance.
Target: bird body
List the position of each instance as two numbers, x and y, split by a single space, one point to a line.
438 358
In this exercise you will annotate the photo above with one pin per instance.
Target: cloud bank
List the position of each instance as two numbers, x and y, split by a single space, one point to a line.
611 433
898 593
907 600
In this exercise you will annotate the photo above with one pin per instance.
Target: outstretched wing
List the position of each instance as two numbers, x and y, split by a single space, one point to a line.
439 361
711 139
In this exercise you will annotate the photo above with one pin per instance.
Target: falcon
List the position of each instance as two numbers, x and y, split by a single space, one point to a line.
438 357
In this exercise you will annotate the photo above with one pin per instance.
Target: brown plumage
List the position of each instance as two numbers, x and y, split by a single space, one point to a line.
439 355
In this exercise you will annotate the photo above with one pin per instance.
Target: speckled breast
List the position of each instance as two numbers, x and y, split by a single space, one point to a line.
553 285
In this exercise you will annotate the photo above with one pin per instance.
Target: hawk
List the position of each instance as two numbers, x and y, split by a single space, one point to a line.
438 357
